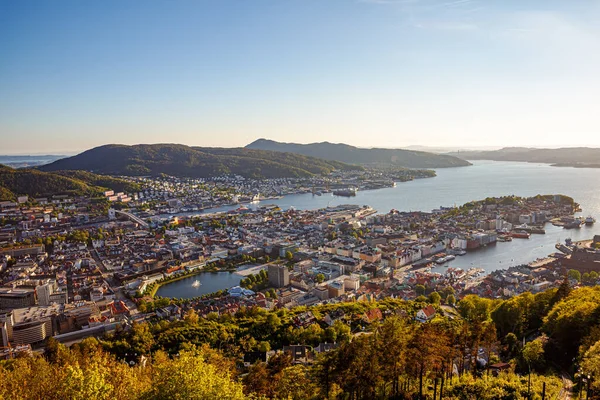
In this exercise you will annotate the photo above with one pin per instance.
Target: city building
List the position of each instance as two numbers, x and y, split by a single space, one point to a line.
279 276
16 298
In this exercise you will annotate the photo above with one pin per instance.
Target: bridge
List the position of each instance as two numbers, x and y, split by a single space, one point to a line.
133 218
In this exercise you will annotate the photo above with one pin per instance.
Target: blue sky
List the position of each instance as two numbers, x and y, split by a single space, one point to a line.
393 73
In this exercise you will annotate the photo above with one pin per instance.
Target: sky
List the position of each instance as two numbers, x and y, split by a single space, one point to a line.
388 73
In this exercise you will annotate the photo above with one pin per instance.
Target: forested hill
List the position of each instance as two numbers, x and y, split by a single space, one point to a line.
195 162
350 154
34 183
572 156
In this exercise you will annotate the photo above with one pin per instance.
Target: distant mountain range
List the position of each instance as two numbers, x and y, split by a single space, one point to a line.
27 161
195 162
568 156
354 155
34 183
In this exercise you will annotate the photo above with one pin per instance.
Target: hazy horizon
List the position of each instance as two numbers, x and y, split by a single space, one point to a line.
369 73
431 149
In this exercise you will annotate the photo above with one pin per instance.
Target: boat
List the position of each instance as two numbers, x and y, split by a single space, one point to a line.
255 198
349 192
445 259
574 224
196 283
520 235
590 220
505 238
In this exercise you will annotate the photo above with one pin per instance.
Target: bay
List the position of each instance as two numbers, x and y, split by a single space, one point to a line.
456 186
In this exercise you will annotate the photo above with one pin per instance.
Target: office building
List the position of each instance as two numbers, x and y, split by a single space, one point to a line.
279 276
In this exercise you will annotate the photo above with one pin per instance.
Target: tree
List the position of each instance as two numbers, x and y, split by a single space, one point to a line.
189 376
258 380
590 365
319 278
574 275
264 346
428 348
570 321
289 256
512 345
447 291
191 317
532 353
451 300
563 291
295 383
435 298
420 290
391 345
141 339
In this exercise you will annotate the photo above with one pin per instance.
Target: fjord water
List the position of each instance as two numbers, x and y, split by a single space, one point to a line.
455 186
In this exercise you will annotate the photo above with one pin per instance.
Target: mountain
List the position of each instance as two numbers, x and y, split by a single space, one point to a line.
568 156
34 183
195 162
354 155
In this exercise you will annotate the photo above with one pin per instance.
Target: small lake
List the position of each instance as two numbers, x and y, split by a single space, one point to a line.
210 282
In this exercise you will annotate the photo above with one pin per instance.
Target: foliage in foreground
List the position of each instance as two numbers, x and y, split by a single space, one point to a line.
394 358
89 373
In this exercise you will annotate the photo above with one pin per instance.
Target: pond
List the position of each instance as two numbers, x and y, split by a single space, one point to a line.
209 282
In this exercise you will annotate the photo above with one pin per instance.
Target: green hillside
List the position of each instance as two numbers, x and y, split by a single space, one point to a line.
37 183
102 181
197 162
34 183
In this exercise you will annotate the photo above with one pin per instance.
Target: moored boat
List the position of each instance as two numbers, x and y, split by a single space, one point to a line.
574 224
520 235
349 192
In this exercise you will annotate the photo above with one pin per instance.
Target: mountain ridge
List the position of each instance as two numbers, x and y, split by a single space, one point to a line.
350 154
564 156
194 162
